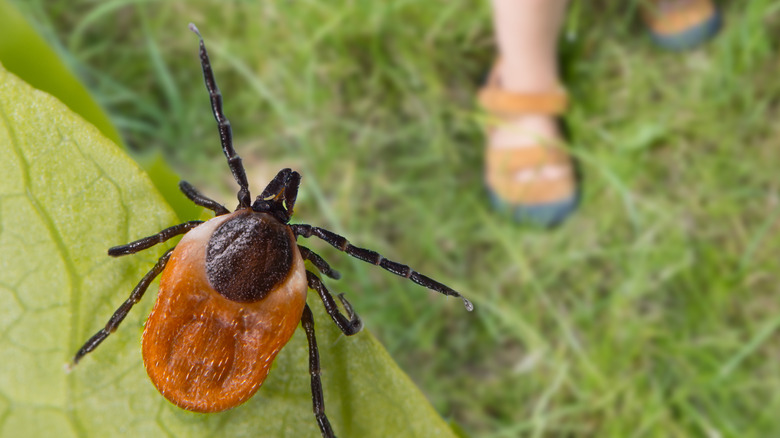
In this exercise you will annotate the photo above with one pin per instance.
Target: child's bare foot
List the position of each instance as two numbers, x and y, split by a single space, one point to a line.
526 169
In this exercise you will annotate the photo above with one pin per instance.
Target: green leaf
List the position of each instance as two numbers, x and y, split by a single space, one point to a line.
26 54
66 194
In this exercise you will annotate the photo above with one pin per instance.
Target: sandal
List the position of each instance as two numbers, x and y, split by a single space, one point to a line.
681 24
535 183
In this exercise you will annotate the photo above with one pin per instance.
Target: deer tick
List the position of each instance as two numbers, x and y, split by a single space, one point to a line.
233 290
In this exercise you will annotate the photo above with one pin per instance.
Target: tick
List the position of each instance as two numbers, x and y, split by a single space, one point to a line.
233 290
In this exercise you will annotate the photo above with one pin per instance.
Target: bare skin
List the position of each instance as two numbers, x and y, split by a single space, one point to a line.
527 34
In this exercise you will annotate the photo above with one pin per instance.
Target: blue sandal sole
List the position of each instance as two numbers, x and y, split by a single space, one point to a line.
549 214
691 37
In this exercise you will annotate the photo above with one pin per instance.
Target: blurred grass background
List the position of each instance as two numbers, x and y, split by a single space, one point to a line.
652 312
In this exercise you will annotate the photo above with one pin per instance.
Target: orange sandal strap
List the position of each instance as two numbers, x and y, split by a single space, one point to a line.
503 164
497 101
505 103
533 193
515 159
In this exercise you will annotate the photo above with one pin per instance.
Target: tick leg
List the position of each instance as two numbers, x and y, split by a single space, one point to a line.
148 242
120 313
348 326
307 321
223 124
319 263
198 198
373 257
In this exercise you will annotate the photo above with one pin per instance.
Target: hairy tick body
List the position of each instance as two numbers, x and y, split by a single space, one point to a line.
233 290
205 350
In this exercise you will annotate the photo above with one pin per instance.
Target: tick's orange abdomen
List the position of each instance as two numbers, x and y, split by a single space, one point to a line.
204 352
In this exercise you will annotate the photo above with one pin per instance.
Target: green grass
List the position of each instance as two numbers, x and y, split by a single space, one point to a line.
652 312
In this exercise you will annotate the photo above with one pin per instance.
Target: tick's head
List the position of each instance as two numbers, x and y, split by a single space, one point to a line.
278 198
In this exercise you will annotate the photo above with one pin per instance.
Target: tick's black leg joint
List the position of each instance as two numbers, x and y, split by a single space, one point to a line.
244 198
349 326
348 307
124 309
223 124
318 400
200 199
373 257
148 242
318 263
